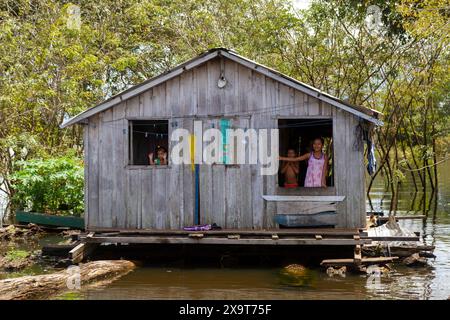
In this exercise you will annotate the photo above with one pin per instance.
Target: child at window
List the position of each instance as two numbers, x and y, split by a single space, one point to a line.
290 170
161 154
317 164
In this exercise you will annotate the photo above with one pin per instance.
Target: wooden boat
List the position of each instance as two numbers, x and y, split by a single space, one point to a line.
23 217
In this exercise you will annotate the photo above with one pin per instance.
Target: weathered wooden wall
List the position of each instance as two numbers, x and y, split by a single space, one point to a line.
123 196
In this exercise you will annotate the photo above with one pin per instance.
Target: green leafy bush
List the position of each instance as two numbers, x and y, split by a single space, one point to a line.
53 185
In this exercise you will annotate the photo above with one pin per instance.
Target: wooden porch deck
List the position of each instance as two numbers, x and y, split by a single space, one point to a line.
325 236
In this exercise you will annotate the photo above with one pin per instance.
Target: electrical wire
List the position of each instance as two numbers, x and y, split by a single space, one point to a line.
302 124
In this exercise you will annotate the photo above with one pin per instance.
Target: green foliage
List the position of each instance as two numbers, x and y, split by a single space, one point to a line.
14 255
49 70
53 185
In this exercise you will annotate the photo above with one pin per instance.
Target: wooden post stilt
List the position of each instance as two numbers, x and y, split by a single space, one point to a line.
82 250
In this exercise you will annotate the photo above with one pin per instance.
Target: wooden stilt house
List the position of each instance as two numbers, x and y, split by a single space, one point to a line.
222 90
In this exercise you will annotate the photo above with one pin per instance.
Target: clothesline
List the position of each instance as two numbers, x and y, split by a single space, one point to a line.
311 123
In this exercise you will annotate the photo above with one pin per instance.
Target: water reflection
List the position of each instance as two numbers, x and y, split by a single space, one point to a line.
433 282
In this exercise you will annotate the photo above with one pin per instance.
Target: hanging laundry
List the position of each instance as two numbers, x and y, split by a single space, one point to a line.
371 161
364 133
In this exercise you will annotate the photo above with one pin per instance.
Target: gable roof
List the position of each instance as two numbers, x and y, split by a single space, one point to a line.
362 112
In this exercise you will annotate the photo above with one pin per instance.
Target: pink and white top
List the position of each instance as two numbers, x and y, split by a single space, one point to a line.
315 171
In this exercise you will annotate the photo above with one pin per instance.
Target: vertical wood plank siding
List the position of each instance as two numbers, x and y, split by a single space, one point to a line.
123 196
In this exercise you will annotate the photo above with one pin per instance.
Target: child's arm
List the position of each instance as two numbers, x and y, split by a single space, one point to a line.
150 158
325 172
301 158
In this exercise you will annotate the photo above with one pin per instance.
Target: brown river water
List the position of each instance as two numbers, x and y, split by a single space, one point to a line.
431 282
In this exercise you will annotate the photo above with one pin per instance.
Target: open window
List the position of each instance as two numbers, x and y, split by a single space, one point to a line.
146 137
298 134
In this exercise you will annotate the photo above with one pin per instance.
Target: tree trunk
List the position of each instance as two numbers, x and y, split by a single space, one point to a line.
48 285
402 144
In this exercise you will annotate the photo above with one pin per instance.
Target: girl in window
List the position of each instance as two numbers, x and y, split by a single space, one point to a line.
317 164
161 157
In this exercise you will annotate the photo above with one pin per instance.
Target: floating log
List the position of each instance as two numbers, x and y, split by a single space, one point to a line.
48 285
415 260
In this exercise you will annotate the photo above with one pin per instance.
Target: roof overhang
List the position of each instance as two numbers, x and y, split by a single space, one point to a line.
211 54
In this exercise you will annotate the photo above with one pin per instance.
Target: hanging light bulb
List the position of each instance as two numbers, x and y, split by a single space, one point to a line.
222 82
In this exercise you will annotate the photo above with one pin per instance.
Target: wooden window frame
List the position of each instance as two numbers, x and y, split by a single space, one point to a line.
129 144
318 191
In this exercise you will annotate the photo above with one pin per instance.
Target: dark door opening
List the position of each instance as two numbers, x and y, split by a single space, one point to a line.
298 134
